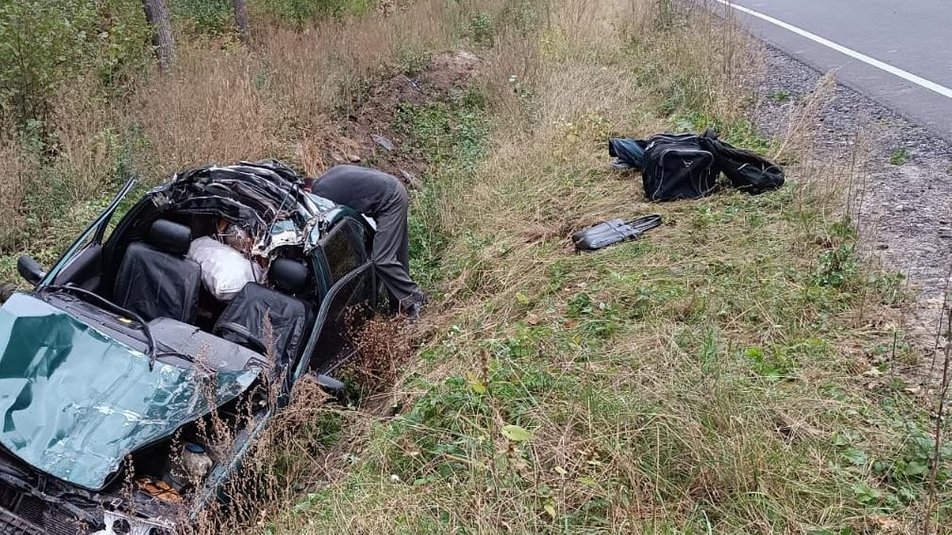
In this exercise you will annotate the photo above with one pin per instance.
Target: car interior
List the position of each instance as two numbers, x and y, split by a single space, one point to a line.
156 282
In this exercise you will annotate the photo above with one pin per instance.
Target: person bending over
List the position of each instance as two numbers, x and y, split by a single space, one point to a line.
382 197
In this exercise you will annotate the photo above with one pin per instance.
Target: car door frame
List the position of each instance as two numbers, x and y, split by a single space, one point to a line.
366 267
95 230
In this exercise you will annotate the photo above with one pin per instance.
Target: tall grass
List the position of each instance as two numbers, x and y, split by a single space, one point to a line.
12 189
723 374
283 97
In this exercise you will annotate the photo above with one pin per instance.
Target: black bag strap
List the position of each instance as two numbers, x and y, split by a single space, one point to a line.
746 170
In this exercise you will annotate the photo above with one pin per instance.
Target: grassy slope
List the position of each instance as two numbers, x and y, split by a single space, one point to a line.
712 377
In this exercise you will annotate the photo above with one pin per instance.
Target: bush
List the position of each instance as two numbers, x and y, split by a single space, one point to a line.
204 17
300 12
44 43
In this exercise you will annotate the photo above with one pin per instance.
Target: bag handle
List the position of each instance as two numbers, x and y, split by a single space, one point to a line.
647 222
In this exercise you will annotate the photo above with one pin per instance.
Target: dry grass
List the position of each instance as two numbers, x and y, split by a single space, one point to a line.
74 164
800 132
19 165
206 110
282 461
706 379
86 143
283 97
279 98
384 350
591 74
325 67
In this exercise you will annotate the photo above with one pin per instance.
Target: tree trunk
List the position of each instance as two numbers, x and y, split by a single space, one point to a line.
157 13
241 19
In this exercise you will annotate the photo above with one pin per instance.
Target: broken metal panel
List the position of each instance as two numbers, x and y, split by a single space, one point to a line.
136 526
267 198
74 403
281 234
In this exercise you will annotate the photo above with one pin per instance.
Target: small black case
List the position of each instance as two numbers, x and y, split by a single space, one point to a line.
613 231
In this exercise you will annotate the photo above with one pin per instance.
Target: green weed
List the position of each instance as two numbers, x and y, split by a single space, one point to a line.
452 136
779 95
899 156
301 12
204 18
43 44
739 132
482 30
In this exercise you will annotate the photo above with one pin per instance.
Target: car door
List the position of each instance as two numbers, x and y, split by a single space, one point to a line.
350 301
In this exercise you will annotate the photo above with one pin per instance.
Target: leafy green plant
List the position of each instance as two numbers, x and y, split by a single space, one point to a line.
911 465
44 43
837 267
413 60
454 135
779 95
204 17
899 156
482 29
867 494
772 365
597 318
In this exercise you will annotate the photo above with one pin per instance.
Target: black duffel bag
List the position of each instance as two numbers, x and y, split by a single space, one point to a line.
678 166
686 166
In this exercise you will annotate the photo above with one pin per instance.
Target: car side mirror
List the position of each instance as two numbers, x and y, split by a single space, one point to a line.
30 269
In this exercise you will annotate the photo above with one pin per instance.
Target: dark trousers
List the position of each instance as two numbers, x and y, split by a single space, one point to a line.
391 250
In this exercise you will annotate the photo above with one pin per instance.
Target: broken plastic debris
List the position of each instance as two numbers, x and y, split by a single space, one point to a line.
383 142
159 489
410 178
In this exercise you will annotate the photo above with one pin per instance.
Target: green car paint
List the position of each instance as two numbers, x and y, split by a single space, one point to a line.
74 402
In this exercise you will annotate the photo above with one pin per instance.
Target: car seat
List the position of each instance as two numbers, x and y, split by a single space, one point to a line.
243 320
155 279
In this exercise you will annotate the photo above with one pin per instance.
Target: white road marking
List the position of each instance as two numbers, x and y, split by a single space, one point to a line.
896 71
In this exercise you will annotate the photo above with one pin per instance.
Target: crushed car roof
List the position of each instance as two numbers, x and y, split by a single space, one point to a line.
266 197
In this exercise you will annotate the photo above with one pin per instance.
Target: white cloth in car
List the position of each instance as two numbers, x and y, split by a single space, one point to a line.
225 271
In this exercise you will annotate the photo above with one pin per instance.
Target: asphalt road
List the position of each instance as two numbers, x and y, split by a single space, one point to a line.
898 52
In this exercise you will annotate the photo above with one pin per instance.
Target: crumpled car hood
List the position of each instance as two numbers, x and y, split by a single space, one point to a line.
74 402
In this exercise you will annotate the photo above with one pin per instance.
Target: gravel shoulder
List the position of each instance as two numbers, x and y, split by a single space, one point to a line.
905 210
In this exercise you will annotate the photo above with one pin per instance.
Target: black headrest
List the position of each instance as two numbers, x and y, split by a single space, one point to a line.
170 237
288 275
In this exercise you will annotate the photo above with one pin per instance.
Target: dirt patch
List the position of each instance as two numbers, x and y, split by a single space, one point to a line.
903 206
371 134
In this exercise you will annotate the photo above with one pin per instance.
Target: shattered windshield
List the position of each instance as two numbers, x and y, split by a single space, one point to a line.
75 403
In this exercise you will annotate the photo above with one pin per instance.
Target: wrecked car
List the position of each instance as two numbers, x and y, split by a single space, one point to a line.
111 363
